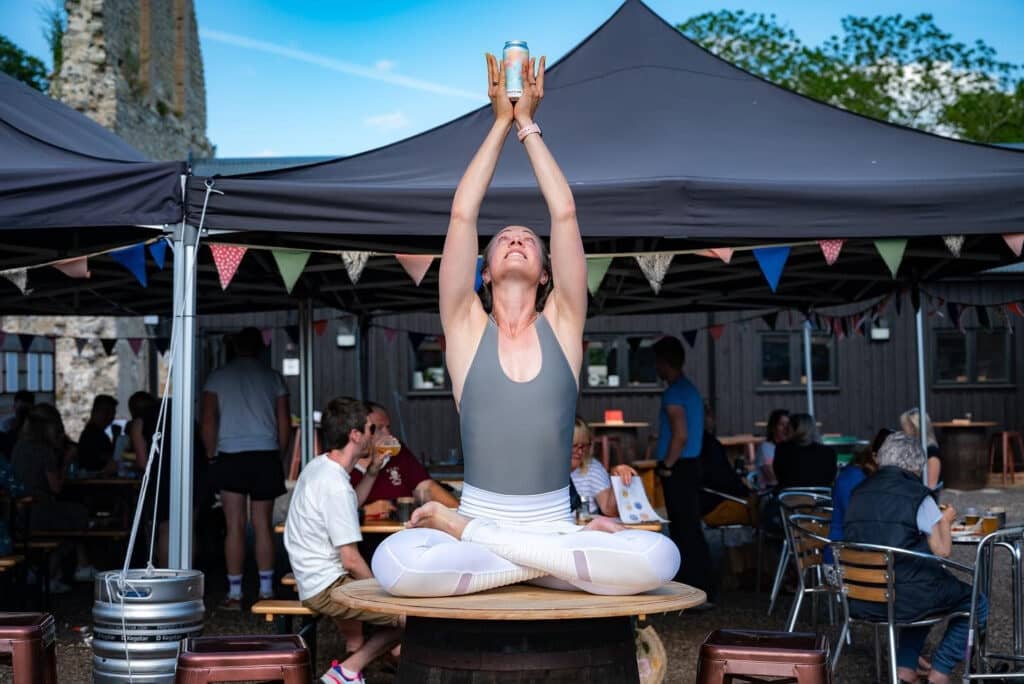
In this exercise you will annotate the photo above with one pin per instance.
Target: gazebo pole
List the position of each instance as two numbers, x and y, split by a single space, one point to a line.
183 397
922 399
306 426
809 374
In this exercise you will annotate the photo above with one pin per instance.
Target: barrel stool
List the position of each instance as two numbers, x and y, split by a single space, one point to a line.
1005 439
729 655
519 633
28 642
242 658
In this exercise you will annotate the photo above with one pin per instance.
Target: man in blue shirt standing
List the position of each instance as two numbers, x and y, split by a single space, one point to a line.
680 436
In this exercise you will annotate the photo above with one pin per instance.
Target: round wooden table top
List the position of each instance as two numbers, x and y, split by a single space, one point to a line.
519 602
964 424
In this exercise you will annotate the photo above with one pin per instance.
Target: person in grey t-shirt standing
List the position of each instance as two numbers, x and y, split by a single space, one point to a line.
246 426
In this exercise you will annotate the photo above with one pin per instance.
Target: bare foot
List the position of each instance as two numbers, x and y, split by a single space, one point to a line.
603 524
436 516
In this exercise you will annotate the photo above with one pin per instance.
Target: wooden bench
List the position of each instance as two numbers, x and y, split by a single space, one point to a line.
518 631
289 581
283 614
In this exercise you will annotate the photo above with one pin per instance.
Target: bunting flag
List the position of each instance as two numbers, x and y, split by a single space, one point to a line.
654 267
1004 319
158 250
162 344
290 263
1015 241
416 265
292 331
390 334
416 339
954 243
596 270
772 260
26 340
136 344
955 315
722 253
716 331
74 268
227 259
837 328
320 327
891 250
108 345
443 343
354 262
771 319
134 259
80 343
634 343
898 302
831 249
478 276
1015 308
268 336
915 299
19 277
983 320
690 337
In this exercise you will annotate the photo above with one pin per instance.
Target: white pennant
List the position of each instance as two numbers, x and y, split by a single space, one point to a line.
954 243
654 267
18 276
354 264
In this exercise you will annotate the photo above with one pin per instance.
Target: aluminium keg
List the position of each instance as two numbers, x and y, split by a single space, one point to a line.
139 620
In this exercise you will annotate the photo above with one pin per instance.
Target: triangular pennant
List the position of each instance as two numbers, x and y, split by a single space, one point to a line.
837 328
292 331
1004 318
845 325
268 335
26 340
136 344
954 314
772 260
771 319
416 339
442 343
654 267
898 302
954 243
80 343
416 265
354 262
478 277
716 331
1016 308
134 259
227 259
108 345
892 250
158 250
596 270
722 253
290 263
320 327
983 319
915 299
162 344
690 337
74 268
18 276
390 334
634 343
1015 241
831 249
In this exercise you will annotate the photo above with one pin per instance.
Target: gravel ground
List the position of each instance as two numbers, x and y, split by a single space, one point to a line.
682 634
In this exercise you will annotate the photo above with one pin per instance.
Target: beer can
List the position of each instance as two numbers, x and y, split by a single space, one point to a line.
515 54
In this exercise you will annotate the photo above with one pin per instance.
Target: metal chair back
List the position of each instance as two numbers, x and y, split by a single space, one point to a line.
980 664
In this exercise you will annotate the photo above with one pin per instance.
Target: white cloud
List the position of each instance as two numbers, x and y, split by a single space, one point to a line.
372 73
267 152
389 121
385 65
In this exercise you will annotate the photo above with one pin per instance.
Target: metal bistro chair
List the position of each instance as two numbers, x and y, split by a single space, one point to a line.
808 538
867 572
752 517
794 500
979 666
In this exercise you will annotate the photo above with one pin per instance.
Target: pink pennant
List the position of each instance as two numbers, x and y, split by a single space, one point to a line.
1015 241
723 253
227 259
268 336
320 327
442 343
74 268
135 343
390 334
716 331
1016 308
831 249
416 265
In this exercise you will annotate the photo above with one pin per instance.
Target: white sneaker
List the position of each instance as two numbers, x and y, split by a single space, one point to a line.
336 676
85 574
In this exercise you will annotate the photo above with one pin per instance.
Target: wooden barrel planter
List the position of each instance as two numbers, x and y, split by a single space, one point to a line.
522 634
964 449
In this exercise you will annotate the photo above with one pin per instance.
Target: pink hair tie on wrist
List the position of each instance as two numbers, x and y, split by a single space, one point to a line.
527 130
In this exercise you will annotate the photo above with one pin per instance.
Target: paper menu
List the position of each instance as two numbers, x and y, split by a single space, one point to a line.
632 501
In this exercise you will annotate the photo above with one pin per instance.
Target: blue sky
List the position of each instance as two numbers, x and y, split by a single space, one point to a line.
287 78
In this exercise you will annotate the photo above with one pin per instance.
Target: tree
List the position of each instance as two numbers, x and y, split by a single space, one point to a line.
903 70
19 64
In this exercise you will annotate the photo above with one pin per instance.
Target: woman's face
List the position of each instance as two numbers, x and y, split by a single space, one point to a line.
581 447
516 250
782 430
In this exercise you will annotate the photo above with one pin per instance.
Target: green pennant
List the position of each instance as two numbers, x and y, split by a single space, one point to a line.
892 250
596 268
290 263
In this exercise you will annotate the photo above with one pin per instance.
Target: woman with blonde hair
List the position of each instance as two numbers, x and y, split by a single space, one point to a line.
589 477
910 423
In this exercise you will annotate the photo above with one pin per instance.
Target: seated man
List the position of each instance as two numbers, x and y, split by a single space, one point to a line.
717 473
322 533
894 508
377 484
95 449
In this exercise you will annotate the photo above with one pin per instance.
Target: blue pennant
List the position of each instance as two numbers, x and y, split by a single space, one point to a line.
134 259
479 281
158 250
772 260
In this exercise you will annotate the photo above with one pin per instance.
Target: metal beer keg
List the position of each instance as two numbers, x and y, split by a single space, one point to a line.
139 619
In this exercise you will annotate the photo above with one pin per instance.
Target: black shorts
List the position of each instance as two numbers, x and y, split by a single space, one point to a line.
258 474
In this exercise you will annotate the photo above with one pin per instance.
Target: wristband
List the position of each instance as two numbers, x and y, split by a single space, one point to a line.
527 130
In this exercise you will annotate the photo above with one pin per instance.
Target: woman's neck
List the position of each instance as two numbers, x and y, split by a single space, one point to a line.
515 310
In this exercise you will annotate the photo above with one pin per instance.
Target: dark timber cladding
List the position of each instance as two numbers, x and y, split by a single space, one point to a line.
874 381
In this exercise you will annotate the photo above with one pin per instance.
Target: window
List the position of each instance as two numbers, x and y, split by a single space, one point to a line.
428 371
620 361
32 371
782 360
974 357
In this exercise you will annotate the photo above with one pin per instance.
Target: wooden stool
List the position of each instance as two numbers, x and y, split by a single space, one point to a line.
519 633
1006 438
734 653
243 658
28 642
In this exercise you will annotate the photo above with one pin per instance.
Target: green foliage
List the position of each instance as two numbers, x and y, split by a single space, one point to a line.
55 25
19 64
903 70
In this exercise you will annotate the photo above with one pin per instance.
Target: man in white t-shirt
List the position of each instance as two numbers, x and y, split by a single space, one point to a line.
322 533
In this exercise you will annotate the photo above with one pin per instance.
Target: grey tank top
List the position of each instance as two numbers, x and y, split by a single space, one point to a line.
517 436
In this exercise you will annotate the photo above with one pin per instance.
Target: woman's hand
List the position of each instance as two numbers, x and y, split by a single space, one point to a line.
500 103
533 92
625 472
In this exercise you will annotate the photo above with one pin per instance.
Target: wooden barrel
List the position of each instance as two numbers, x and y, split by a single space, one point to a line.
444 651
964 453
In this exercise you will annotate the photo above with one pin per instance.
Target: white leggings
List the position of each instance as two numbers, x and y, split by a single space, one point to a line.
426 562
